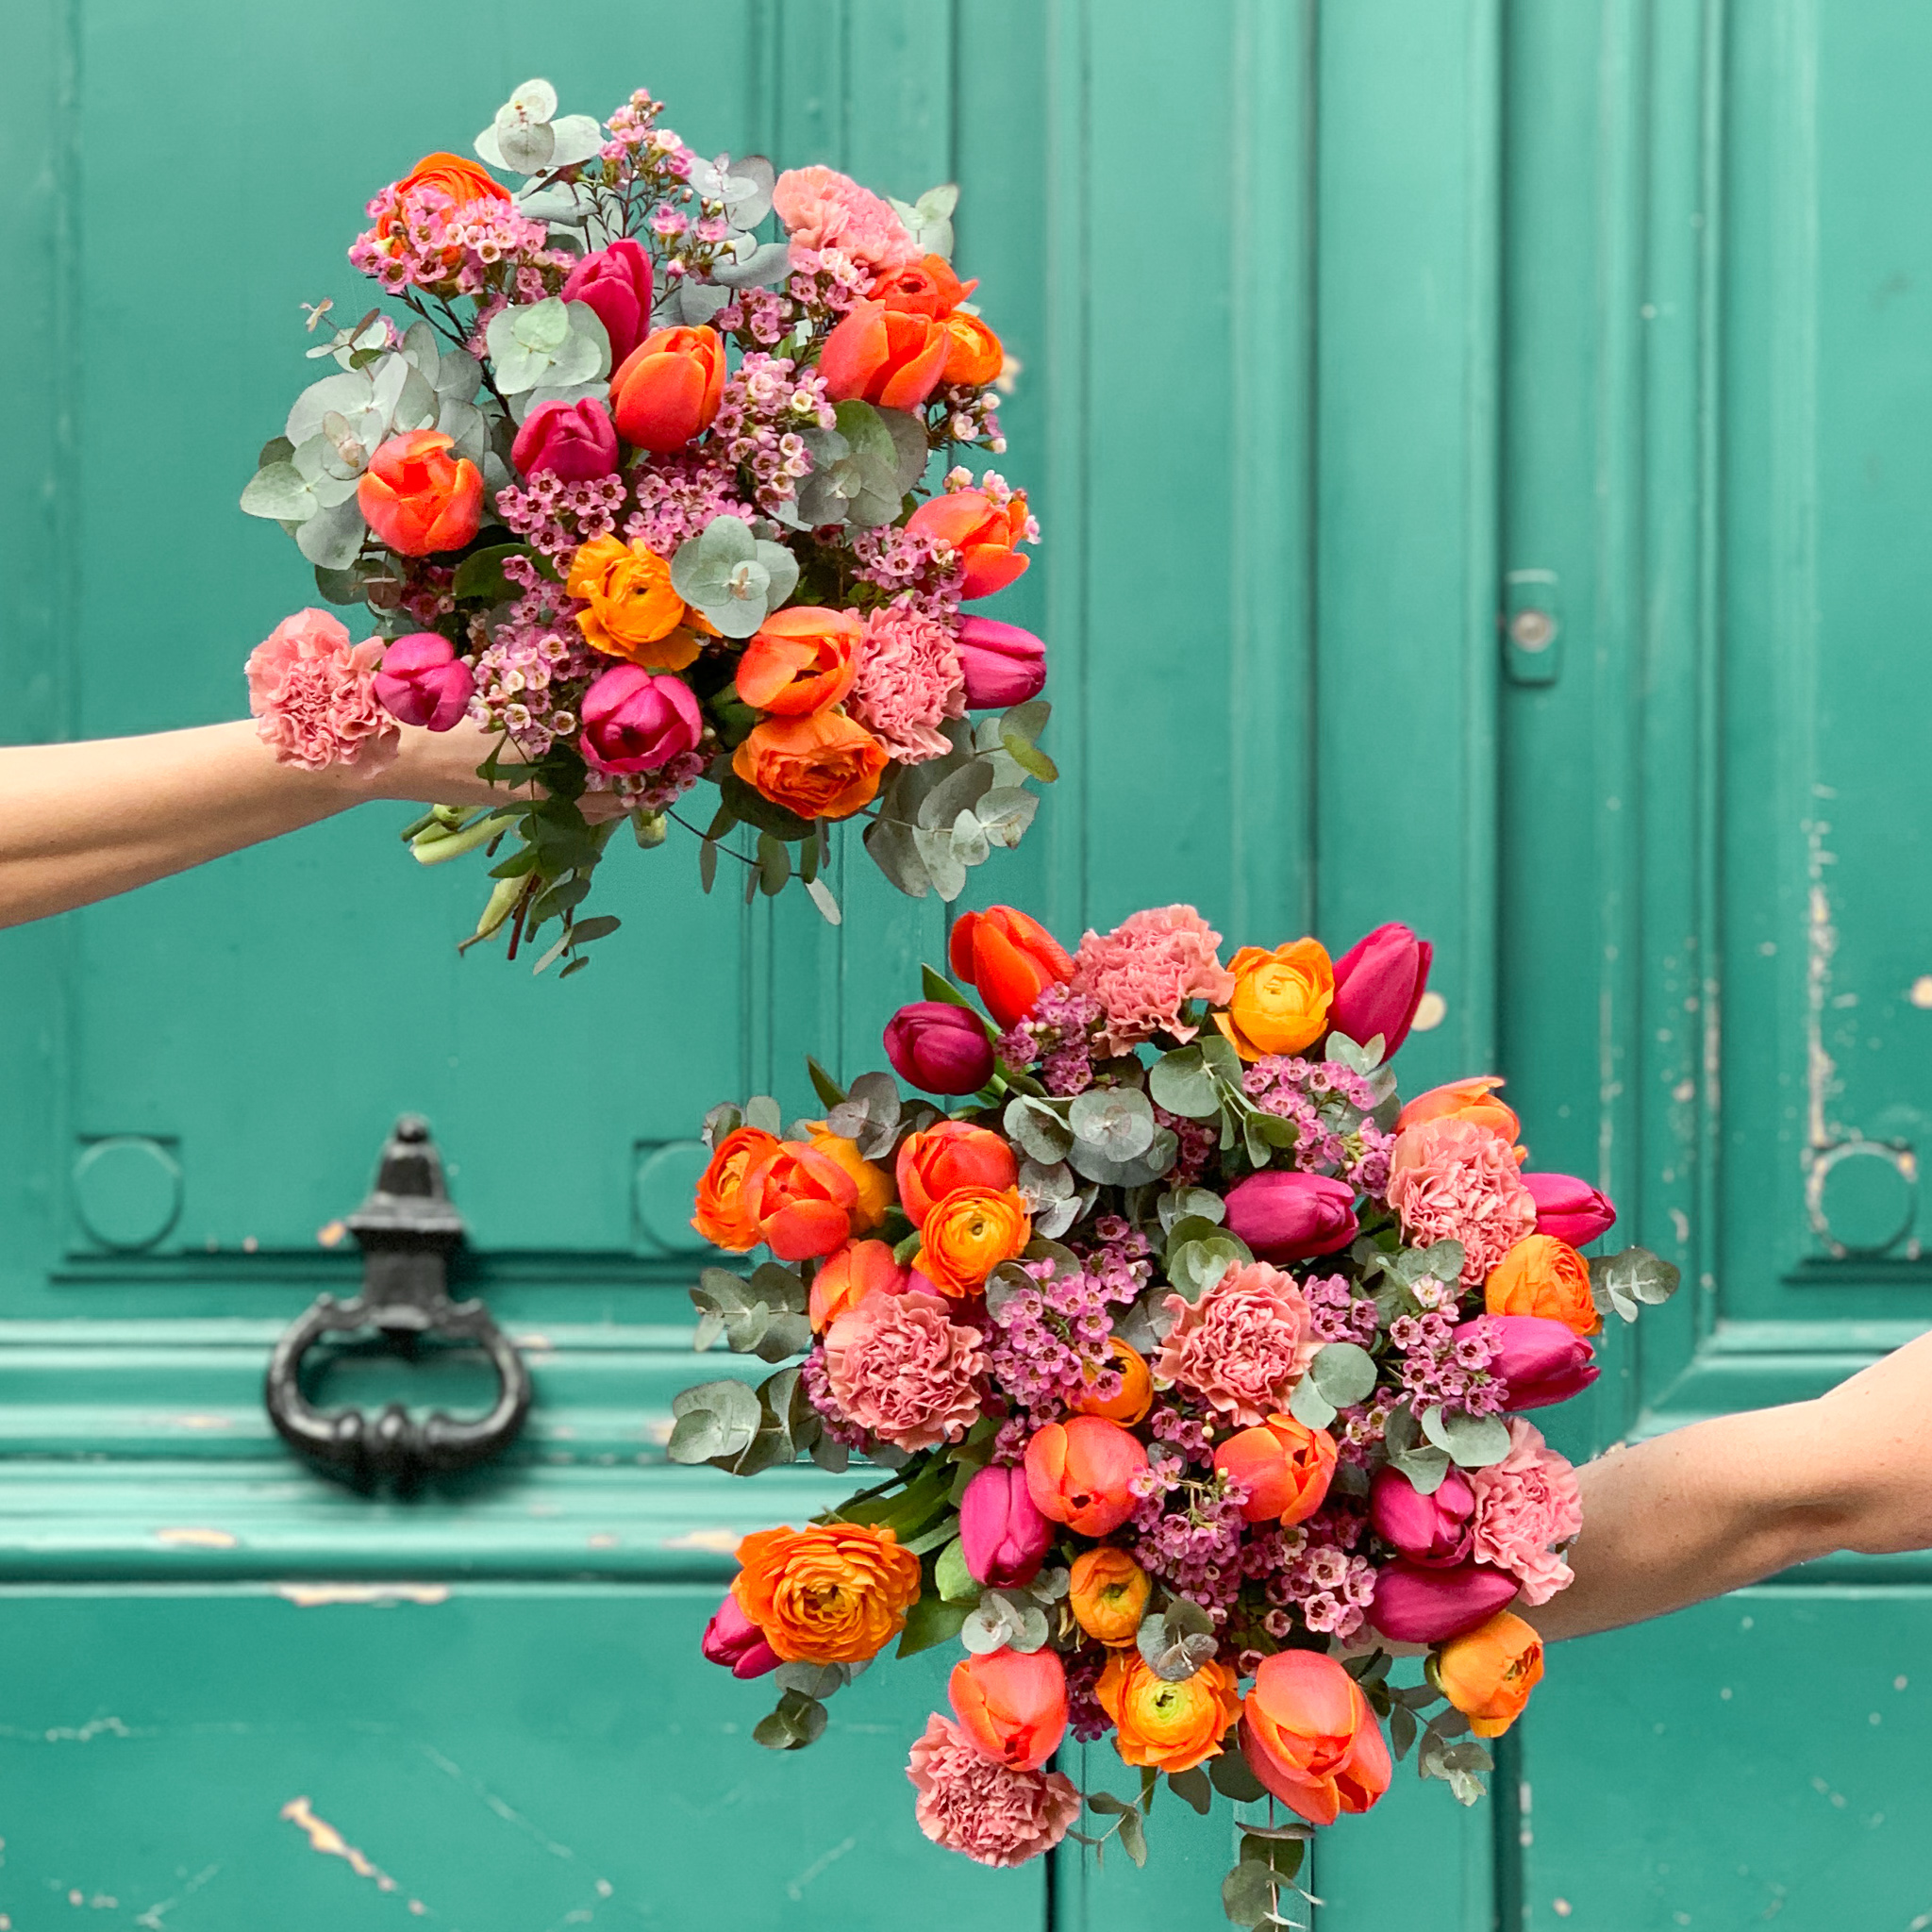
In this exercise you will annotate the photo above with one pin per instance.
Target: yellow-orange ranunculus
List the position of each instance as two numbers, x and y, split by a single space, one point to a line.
1107 1592
721 1214
1135 1395
1167 1727
823 766
634 613
848 1275
1542 1275
1488 1673
801 659
967 1234
830 1593
973 353
1280 1002
873 1183
1464 1100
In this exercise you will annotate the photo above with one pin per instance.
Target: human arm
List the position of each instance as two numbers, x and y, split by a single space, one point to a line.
1728 1502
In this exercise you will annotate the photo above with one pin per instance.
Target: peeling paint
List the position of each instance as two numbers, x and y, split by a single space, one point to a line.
723 1542
504 1811
796 1886
603 1541
204 1422
323 1838
152 1918
310 1596
196 1539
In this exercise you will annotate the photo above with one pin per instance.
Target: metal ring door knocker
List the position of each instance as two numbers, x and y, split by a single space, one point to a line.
406 1231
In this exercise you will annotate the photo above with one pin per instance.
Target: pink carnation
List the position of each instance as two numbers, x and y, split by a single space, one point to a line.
825 210
1147 968
899 1368
1243 1345
909 679
314 693
995 1814
1523 1506
1452 1180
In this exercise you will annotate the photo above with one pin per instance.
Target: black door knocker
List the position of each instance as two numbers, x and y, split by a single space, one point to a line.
406 1231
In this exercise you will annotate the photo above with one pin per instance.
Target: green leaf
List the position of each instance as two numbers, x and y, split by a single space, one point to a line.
707 864
938 987
1472 1441
1180 1082
1618 1282
775 864
1133 1836
1281 1855
827 1089
1344 1372
956 1582
1309 1407
480 574
601 927
931 1621
1229 1776
816 1681
1247 1893
735 1414
1192 1787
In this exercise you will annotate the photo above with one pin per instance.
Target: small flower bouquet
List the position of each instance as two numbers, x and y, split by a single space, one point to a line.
1199 1368
648 499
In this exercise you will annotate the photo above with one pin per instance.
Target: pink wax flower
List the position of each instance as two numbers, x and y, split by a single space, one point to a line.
422 681
995 1814
1004 664
574 441
1452 1180
898 1367
1524 1505
1147 970
1243 1345
823 209
634 722
313 695
908 683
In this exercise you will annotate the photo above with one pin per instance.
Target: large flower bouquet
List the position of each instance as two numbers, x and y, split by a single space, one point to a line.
648 497
1202 1366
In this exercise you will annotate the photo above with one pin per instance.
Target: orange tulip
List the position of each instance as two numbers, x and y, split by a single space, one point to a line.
1488 1673
983 533
1137 1388
1284 1466
1080 1472
973 353
722 1217
668 389
848 1275
927 287
1012 1703
952 1155
1008 958
1464 1100
875 1188
1542 1275
831 1594
824 766
1162 1725
1280 1002
802 1201
800 661
633 612
1308 1735
417 498
1107 1592
890 356
967 1234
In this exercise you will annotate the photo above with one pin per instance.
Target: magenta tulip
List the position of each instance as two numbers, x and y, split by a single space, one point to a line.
1416 1605
634 722
1004 664
1004 1536
1540 1361
940 1048
1378 984
1570 1209
1288 1216
1436 1531
616 282
422 681
732 1639
575 442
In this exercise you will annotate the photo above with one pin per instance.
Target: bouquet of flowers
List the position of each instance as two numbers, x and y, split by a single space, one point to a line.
1200 1370
648 497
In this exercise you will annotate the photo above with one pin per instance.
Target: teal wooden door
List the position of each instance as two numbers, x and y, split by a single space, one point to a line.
1481 451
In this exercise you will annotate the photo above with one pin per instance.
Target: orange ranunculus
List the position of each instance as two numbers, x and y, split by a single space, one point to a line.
874 1186
722 1217
1488 1672
830 1593
848 1275
1542 1275
1137 1388
982 531
973 353
967 1234
820 767
802 1201
1107 1592
1167 1727
951 1154
1081 1471
890 356
1464 1100
634 613
800 661
667 390
928 286
1284 1466
1280 1002
418 498
1008 959
459 178
1308 1735
1012 1703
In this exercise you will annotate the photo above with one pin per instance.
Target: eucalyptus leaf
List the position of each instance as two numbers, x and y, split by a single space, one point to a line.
1180 1082
1344 1372
1309 1407
1471 1442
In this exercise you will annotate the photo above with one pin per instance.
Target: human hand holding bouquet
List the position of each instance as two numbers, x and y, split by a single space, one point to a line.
646 498
1202 1367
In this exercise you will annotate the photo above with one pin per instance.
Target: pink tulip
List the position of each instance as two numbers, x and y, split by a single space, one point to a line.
575 442
1378 984
939 1047
634 722
1434 1530
616 283
1004 664
1570 1209
422 681
1289 1216
1540 1361
1005 1537
732 1639
1416 1605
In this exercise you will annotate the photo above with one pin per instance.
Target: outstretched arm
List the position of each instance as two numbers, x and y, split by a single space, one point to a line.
1711 1507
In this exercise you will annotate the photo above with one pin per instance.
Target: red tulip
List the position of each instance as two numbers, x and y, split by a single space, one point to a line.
417 498
1008 958
634 722
1080 1472
668 389
1284 1466
1378 984
1012 1703
890 356
1308 1735
732 1639
575 442
1540 1361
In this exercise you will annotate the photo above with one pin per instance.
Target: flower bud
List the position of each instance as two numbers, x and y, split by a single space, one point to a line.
1080 1472
1378 984
1488 1673
634 722
1570 1209
1005 1537
422 681
1004 664
1538 1360
939 1047
1417 1605
1433 1530
1008 958
732 1639
1012 1703
1107 1591
575 442
1284 1466
1285 1215
615 282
